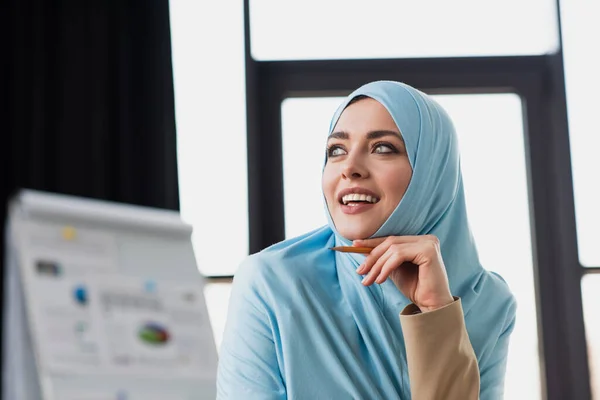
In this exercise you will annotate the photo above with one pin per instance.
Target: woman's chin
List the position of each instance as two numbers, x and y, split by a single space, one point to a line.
357 227
356 234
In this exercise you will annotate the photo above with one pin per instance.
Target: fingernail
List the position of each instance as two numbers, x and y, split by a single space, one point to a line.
360 268
363 280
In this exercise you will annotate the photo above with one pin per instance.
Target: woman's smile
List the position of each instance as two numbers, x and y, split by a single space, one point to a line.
357 200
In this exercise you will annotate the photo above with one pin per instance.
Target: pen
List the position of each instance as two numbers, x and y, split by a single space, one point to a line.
352 249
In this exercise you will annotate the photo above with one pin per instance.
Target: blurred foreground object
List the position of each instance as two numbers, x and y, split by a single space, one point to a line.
103 301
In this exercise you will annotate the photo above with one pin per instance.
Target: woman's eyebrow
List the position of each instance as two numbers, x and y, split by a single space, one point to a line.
382 133
370 136
339 135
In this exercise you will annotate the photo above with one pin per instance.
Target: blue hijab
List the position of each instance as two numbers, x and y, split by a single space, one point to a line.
300 323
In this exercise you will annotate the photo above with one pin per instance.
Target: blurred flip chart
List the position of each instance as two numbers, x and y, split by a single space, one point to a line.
103 301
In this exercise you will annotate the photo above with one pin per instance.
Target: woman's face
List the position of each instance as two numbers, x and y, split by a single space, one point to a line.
367 170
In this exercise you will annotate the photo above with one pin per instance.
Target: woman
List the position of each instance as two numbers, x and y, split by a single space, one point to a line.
416 318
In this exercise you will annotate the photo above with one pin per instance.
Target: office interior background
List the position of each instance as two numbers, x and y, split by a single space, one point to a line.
220 110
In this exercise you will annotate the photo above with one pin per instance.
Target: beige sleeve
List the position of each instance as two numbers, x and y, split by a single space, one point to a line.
441 360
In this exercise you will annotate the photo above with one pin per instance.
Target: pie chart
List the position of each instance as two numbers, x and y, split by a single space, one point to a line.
154 334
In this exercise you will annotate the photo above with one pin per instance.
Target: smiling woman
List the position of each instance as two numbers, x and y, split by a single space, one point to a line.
402 321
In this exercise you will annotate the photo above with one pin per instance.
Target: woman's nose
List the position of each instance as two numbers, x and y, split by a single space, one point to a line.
354 169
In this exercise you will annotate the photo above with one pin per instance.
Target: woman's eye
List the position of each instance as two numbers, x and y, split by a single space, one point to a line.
335 151
383 148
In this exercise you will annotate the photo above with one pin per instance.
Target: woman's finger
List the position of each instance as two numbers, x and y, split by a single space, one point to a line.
375 269
392 263
382 245
374 242
404 252
392 249
372 258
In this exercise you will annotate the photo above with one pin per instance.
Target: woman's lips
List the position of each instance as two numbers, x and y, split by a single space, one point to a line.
357 208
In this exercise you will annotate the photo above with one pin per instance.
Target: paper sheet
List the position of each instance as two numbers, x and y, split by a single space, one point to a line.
121 325
70 251
155 329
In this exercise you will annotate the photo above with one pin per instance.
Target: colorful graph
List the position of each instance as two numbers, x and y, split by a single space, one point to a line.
154 334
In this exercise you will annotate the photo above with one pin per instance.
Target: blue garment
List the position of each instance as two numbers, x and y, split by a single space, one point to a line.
302 326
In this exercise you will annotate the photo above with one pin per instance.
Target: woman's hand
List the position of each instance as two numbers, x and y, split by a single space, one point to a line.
415 265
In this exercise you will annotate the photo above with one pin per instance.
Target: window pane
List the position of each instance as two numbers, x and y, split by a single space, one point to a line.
590 291
217 302
211 129
334 29
580 36
487 179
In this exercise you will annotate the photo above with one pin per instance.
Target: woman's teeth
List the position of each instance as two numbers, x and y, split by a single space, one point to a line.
355 197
